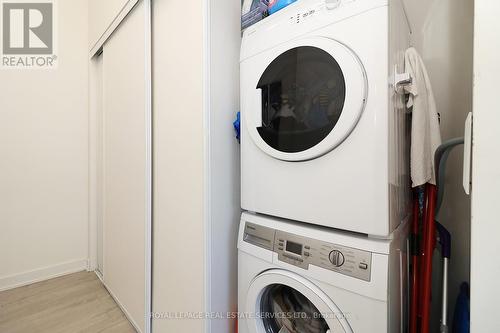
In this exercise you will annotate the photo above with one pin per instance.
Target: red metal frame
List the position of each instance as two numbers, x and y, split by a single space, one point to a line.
421 279
429 244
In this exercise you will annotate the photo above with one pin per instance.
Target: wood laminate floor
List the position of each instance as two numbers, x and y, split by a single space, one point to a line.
69 304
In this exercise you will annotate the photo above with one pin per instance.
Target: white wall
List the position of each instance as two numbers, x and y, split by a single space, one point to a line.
485 290
225 42
43 167
178 222
443 32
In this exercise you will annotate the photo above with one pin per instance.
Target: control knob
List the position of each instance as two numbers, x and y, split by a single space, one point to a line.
336 258
332 4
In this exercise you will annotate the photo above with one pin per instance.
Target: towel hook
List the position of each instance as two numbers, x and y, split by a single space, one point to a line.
401 80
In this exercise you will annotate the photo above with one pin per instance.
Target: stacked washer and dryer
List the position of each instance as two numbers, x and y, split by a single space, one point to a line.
325 170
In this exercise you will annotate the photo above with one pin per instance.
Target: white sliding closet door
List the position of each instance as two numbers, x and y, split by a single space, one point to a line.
125 165
485 225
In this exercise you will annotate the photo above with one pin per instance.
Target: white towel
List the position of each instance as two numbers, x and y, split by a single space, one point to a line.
425 133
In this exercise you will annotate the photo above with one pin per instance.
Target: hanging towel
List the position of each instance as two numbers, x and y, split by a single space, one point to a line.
425 134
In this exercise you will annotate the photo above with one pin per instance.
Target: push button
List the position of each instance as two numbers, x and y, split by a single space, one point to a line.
363 266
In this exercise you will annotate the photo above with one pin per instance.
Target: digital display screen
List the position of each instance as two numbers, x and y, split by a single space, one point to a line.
294 247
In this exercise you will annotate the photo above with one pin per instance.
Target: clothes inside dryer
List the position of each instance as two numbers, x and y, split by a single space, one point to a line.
303 95
285 310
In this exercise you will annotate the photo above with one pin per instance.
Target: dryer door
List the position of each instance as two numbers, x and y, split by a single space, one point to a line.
280 301
301 99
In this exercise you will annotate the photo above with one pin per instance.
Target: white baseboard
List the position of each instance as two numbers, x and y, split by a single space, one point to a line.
41 274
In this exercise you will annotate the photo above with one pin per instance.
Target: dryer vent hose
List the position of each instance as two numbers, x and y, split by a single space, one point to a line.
440 159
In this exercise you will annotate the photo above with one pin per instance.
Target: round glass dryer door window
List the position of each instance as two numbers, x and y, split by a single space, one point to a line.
304 99
303 95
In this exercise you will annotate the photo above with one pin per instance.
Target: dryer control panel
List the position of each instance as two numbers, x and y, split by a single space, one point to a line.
303 251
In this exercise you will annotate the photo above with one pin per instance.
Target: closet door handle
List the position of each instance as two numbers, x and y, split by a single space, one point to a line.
467 154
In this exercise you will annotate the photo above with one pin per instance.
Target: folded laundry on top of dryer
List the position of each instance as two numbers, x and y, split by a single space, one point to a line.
276 5
253 11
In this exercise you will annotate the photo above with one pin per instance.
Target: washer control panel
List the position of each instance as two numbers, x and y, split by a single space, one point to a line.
303 251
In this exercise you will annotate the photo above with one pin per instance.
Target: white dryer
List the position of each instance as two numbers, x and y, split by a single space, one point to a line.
299 278
324 134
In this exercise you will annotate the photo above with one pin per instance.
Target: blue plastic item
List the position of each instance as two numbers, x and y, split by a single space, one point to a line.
236 125
461 317
444 240
276 5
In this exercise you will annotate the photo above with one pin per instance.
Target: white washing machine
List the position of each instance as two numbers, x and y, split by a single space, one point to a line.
300 278
324 133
